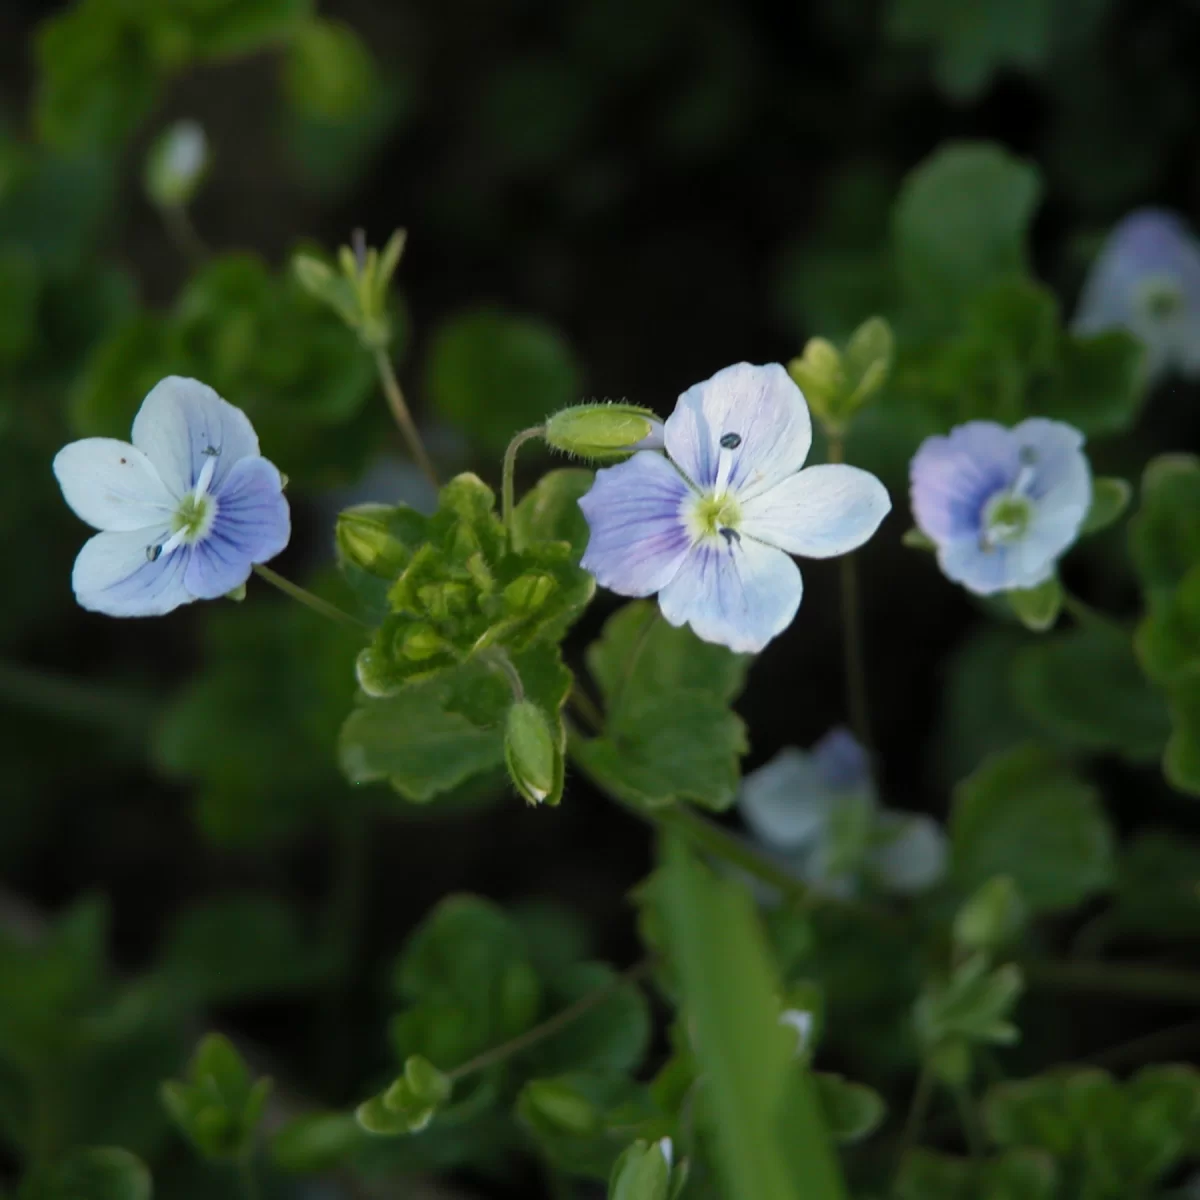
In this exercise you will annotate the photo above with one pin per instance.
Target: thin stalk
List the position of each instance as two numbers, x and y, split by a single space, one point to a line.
247 1177
971 1126
183 232
1085 615
76 700
403 418
853 650
1115 979
551 1026
305 597
586 707
918 1109
509 471
499 660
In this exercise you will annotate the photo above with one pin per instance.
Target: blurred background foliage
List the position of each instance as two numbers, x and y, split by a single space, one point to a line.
604 198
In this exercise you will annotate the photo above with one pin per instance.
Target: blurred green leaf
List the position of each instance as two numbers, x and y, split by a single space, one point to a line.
971 1007
550 512
240 947
1110 499
852 1111
1164 533
1168 639
1013 1175
959 225
1158 887
492 374
669 733
1181 761
104 1173
1085 688
1037 608
770 1143
971 45
1025 815
329 73
316 1142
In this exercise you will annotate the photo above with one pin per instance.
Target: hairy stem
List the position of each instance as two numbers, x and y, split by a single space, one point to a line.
551 1026
509 471
853 651
305 597
403 418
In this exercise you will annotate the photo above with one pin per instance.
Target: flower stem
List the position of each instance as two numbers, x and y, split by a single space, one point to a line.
403 418
917 1109
183 232
499 661
853 652
507 478
1085 615
305 597
247 1177
550 1026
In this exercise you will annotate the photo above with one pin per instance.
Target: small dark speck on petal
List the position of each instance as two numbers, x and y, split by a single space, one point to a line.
731 441
730 535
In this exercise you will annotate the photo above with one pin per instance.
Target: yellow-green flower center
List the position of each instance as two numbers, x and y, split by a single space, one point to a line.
194 517
716 516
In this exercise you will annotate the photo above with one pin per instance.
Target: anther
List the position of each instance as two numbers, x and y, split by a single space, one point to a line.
731 441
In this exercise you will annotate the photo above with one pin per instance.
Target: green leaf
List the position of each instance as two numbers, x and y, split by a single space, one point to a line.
103 1173
315 1143
1098 383
1158 887
1181 762
434 735
241 947
1025 815
973 1006
492 374
770 1143
852 1111
224 30
612 1036
970 48
1085 688
959 225
1037 608
1168 639
329 74
1013 1175
1110 499
550 512
1164 534
669 732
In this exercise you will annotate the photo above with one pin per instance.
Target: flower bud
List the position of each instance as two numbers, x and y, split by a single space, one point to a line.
991 917
364 538
425 1081
556 1106
530 753
176 164
604 430
643 1172
837 383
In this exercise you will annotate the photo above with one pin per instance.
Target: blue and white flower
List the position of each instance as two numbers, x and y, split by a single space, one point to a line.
1001 505
1146 280
710 527
819 814
185 511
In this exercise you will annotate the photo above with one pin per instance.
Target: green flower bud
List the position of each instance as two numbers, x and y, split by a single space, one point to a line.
643 1172
556 1106
836 383
425 1081
176 164
364 538
530 752
604 430
991 917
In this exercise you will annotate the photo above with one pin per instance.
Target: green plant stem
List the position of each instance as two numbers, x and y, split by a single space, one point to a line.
551 1026
247 1177
499 660
509 472
586 707
971 1125
918 1109
1115 979
77 700
183 232
1084 614
305 597
853 651
403 418
1151 1047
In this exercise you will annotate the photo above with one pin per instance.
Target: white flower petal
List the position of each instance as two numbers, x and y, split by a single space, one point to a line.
181 422
914 853
739 593
818 512
761 408
114 574
786 802
111 485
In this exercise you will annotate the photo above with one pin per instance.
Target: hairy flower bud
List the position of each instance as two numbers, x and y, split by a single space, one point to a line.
604 430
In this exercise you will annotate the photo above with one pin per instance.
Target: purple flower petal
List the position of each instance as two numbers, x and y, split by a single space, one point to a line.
638 536
739 593
181 422
952 478
114 574
818 512
787 801
252 524
842 761
745 429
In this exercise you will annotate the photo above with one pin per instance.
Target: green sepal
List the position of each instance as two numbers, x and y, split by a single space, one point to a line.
1037 608
1110 499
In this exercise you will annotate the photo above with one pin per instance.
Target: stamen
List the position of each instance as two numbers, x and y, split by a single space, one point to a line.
206 474
730 535
731 441
153 553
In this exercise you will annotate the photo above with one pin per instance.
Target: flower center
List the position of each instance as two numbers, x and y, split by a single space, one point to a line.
1160 298
1006 518
715 516
193 519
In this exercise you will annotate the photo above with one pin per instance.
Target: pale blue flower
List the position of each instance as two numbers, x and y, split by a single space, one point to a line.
1146 280
819 814
1001 505
184 511
710 527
